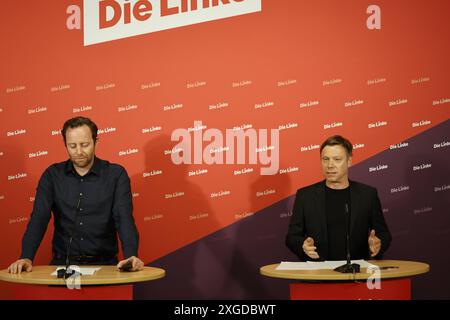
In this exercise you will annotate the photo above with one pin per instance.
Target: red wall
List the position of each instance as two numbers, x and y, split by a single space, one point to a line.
304 43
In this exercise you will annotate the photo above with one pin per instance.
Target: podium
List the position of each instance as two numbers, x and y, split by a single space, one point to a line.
108 283
373 284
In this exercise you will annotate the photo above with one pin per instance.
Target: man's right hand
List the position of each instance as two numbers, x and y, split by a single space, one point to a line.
309 249
20 265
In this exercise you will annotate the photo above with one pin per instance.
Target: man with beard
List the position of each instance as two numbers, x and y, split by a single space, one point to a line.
91 203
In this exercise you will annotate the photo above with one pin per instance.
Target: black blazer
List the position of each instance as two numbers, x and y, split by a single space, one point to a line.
309 220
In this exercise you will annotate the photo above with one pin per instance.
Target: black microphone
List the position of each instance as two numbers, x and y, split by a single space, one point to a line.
349 267
68 272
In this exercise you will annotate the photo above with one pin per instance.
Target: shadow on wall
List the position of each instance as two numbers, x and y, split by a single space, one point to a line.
167 222
258 241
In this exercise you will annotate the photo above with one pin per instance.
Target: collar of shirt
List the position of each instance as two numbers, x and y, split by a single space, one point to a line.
95 169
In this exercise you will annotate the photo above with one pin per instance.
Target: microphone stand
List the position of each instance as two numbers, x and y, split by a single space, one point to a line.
68 272
349 267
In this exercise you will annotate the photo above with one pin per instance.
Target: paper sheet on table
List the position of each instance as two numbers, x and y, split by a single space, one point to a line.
84 270
320 265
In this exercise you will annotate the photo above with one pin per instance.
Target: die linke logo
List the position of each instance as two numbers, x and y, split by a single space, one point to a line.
106 20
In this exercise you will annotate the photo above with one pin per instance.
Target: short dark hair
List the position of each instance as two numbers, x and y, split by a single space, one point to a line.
78 122
338 140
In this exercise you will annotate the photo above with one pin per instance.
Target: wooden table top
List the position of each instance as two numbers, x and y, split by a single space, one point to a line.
107 275
405 269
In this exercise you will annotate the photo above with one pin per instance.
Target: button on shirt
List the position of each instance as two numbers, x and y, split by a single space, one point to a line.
94 208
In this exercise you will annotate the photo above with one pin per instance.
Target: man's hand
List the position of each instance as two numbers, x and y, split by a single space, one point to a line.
20 265
137 263
309 249
374 244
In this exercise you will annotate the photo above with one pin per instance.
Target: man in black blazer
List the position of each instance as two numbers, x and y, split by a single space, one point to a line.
317 230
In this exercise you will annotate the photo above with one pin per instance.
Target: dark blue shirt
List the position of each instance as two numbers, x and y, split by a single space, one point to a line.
99 205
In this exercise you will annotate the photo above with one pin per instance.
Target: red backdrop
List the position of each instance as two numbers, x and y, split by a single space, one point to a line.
291 53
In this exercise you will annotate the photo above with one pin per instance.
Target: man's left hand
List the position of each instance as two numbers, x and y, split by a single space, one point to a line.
137 263
374 244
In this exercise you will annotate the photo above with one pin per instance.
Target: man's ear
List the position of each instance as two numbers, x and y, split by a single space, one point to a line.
349 161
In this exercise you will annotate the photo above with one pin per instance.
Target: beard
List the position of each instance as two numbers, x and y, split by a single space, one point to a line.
82 162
